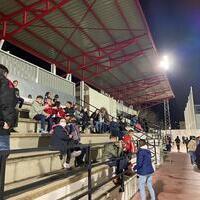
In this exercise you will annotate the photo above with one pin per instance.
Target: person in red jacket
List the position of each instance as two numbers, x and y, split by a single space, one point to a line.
58 112
128 143
48 109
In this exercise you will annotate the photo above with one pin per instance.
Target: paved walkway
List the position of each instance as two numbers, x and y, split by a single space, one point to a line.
176 179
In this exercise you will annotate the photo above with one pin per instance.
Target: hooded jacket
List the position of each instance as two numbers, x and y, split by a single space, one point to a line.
7 104
144 165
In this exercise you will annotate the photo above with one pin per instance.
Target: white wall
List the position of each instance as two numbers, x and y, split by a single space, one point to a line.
35 80
99 100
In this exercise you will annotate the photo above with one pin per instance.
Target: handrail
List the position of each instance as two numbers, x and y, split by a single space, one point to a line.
91 189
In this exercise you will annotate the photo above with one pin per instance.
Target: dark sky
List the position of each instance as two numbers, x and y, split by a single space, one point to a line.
175 26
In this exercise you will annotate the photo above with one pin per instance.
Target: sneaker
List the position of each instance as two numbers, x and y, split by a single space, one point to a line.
44 132
66 166
76 153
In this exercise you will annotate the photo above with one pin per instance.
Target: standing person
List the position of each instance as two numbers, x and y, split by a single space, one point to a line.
145 170
7 117
178 142
192 145
20 100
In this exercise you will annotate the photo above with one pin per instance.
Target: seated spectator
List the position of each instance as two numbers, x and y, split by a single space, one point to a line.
75 136
37 113
69 108
85 119
127 143
20 100
134 120
46 96
61 141
30 96
56 98
95 117
77 114
58 112
114 128
114 153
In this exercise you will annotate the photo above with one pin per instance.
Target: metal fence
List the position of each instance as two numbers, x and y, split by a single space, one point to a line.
88 147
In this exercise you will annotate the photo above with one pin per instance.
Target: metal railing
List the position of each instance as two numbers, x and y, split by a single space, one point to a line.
88 147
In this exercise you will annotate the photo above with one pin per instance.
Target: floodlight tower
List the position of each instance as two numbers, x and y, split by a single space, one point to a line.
167 120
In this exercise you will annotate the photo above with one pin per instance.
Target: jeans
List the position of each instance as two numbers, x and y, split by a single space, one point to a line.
43 119
192 157
4 142
143 181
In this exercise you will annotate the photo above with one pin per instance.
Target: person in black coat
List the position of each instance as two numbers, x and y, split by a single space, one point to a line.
7 108
62 141
7 118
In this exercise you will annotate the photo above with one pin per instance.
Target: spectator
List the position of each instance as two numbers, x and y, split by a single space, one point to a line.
62 142
114 128
58 112
7 109
186 143
168 143
145 170
178 141
96 123
69 109
37 113
46 96
192 145
183 139
30 96
114 153
197 153
20 100
134 120
85 119
75 135
56 98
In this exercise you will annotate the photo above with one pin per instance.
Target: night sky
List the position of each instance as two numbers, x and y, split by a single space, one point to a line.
175 27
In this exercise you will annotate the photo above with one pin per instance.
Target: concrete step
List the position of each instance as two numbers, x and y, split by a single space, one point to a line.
60 188
33 140
27 125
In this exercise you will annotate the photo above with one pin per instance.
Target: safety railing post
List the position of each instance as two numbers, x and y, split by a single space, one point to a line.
3 158
155 153
89 173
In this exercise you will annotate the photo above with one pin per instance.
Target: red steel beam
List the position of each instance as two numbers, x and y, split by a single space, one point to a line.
138 82
106 29
129 57
22 26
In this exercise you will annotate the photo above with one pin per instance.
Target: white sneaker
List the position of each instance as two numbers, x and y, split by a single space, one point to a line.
76 153
44 132
66 166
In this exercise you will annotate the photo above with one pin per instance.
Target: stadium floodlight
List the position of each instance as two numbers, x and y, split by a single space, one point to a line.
165 63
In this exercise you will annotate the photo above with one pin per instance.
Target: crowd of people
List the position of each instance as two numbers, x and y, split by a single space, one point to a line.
63 123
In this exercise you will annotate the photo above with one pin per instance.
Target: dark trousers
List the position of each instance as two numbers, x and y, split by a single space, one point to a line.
43 120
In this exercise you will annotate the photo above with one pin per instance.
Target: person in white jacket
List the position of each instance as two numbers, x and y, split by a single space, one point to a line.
191 150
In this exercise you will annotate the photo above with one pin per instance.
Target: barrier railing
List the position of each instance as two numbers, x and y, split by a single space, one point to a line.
88 147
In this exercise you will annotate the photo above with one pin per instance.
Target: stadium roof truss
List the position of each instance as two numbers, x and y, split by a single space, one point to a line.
106 43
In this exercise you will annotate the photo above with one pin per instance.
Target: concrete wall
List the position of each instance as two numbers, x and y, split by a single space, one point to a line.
35 80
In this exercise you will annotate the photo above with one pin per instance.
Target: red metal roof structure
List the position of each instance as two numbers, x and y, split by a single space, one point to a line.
106 43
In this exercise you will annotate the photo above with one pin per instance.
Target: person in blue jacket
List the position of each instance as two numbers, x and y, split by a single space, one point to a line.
144 170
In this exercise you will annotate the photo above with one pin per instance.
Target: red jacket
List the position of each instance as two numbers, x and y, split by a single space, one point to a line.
128 144
48 109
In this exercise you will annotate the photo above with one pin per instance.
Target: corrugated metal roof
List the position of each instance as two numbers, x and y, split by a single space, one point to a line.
88 33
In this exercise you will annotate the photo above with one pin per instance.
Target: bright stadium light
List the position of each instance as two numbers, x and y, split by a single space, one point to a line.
165 63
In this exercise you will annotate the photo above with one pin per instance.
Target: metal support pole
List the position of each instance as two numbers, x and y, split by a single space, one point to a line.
2 174
89 173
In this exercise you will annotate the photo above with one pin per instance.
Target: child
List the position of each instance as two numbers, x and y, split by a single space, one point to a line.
61 141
